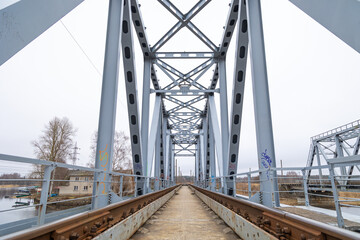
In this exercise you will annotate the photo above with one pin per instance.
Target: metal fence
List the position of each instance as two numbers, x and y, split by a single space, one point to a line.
56 190
295 187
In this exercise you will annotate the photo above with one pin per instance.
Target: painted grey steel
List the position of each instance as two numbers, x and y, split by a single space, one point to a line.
183 55
163 149
197 160
131 93
202 155
306 192
340 17
140 28
264 133
168 156
231 20
157 157
241 50
44 194
338 145
145 110
339 216
215 126
340 154
206 168
104 148
224 115
23 21
249 184
155 125
183 20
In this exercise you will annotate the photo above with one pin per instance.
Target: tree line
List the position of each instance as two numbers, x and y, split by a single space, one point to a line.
56 144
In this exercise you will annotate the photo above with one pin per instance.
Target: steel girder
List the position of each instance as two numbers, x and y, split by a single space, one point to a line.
131 92
339 17
19 27
264 133
238 94
105 141
178 117
336 145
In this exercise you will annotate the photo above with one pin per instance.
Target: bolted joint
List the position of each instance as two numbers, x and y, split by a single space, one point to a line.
74 236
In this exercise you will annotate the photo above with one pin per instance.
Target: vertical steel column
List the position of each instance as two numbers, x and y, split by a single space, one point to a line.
104 148
202 155
145 111
249 184
157 157
242 41
339 216
264 132
163 150
217 136
212 155
197 164
167 156
318 162
131 92
224 117
207 151
306 192
155 125
340 153
44 194
173 163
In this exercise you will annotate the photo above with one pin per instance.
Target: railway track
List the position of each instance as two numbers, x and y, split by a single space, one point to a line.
280 224
92 223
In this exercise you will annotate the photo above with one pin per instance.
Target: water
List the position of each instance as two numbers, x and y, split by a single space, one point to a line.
7 203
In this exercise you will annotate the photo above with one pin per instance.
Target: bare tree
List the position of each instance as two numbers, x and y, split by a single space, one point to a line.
55 144
121 151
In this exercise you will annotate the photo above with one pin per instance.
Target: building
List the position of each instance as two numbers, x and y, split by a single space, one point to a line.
80 183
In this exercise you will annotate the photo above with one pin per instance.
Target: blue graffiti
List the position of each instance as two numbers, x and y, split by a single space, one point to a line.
266 162
265 159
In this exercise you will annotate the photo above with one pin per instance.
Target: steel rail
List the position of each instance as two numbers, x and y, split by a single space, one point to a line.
92 223
281 224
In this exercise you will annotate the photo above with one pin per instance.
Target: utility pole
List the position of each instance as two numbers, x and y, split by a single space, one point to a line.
281 168
74 157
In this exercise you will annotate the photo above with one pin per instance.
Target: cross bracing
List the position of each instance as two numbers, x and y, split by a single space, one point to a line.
190 116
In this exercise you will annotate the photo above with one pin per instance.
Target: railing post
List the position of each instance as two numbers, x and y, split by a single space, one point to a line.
44 194
135 190
121 186
306 192
234 178
339 216
249 184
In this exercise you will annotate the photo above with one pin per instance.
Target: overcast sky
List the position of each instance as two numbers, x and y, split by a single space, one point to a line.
314 78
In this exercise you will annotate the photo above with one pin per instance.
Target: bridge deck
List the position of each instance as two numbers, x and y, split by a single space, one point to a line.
185 216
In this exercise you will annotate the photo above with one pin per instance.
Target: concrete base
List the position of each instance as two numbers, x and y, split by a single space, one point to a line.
126 228
239 225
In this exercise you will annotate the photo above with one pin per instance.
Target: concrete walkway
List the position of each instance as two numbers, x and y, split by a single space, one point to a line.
184 216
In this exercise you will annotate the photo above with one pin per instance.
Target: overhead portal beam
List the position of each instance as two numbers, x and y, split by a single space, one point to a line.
340 17
23 21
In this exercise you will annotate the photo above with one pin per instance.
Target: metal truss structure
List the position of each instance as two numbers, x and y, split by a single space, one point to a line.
339 145
185 119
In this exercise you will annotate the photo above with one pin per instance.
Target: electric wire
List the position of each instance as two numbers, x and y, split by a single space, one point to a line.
83 51
77 43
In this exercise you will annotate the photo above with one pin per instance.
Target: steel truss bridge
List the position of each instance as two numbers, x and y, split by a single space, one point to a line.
185 118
